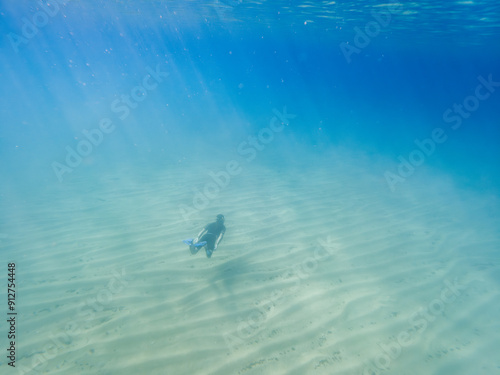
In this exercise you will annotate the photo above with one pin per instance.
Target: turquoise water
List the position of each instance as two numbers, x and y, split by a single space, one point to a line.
126 126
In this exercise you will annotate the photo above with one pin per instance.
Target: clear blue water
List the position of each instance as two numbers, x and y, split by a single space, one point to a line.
238 58
92 90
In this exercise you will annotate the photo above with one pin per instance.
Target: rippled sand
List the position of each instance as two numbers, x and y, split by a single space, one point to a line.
323 270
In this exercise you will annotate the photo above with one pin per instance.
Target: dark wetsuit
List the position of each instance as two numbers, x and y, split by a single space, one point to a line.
214 230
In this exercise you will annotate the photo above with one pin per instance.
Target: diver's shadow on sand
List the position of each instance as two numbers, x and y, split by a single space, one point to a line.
229 277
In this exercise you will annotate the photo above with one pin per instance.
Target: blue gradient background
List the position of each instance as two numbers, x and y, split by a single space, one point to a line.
230 63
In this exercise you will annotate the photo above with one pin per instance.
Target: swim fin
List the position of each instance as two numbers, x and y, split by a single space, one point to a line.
189 242
194 247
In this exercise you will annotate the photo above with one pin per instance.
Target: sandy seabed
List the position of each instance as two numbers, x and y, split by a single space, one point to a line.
323 270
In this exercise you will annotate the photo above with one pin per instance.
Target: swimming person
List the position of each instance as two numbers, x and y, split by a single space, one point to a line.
210 236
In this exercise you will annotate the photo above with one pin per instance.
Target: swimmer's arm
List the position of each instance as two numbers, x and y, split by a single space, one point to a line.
203 231
219 239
